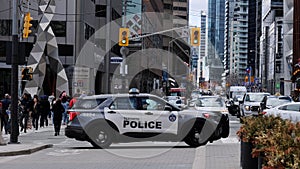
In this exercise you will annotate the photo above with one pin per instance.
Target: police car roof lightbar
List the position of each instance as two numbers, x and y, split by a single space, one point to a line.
134 91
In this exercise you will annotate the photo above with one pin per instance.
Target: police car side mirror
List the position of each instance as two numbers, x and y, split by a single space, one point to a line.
168 108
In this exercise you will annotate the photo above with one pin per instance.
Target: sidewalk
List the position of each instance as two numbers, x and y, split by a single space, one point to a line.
28 142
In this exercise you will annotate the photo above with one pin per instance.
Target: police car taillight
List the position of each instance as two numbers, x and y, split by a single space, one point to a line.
72 115
264 112
206 115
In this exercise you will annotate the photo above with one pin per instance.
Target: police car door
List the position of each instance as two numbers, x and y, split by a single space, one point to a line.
124 115
155 118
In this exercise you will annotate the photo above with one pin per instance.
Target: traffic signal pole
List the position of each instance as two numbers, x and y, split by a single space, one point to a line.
14 77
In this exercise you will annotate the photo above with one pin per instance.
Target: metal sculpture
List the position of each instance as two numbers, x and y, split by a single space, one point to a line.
46 50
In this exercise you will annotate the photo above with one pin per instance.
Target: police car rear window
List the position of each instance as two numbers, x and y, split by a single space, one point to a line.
88 103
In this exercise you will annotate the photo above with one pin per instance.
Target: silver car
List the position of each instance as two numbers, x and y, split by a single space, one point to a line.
290 111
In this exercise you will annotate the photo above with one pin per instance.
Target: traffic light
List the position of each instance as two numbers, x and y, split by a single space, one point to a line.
246 79
123 36
195 37
30 73
27 25
25 73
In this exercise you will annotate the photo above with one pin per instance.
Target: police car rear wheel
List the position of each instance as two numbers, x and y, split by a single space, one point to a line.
194 138
101 137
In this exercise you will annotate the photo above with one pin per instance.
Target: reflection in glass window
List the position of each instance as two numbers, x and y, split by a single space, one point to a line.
59 28
88 103
5 27
122 103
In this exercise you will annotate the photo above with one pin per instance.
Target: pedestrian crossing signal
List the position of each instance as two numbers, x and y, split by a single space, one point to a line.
124 37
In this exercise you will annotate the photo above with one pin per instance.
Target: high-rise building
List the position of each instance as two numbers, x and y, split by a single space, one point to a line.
215 41
288 17
271 44
242 33
201 60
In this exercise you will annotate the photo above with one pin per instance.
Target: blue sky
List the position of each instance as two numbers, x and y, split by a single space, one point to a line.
195 7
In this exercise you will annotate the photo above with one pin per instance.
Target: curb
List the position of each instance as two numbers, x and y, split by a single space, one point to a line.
25 151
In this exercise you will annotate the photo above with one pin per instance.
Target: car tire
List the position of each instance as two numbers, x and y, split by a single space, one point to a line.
101 136
192 139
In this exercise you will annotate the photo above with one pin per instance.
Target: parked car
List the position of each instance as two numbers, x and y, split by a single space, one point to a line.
290 111
273 101
250 105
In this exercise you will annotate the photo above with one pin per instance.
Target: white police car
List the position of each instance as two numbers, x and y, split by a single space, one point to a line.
104 119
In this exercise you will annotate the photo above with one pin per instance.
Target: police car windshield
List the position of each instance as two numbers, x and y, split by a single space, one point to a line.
88 103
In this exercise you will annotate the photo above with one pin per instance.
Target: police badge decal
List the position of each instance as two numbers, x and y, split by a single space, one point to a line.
172 118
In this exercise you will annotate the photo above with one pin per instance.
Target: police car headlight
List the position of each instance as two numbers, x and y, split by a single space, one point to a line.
247 108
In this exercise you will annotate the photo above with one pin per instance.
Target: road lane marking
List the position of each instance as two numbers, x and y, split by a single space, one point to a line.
200 158
230 140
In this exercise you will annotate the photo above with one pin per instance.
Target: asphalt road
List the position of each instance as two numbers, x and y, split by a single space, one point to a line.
71 154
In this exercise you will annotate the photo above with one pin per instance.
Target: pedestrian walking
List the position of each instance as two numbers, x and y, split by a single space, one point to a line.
65 104
26 108
73 100
35 112
44 110
58 111
4 116
51 99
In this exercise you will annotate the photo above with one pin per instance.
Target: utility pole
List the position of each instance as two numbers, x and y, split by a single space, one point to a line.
108 47
14 76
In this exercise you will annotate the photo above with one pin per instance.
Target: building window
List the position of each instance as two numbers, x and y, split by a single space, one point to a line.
180 8
278 66
5 27
88 31
100 11
59 28
2 49
65 50
167 6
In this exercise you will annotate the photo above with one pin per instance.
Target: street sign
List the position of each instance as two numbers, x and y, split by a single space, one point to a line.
116 60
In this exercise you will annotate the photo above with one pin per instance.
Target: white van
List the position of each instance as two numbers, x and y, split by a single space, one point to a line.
236 91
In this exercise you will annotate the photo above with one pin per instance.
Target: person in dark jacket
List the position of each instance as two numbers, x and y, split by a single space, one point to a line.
26 104
58 110
4 116
36 112
45 110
